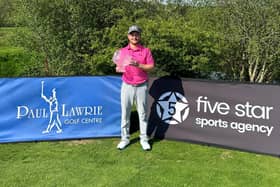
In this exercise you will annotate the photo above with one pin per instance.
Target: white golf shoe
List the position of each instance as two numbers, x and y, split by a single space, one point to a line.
145 145
123 144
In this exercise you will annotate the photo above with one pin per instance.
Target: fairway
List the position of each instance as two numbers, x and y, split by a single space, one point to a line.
97 162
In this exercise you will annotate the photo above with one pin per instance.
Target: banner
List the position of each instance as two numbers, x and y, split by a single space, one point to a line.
34 109
240 116
231 115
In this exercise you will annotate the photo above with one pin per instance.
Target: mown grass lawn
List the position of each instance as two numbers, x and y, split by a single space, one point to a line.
97 162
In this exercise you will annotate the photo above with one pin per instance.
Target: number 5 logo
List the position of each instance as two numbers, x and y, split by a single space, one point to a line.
172 108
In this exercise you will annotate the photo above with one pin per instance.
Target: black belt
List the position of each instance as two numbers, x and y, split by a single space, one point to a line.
138 85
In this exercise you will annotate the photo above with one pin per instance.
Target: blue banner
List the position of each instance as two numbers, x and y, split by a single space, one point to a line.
34 109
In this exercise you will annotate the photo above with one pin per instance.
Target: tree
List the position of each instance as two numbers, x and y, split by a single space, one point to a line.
6 12
79 37
252 38
64 32
181 49
72 35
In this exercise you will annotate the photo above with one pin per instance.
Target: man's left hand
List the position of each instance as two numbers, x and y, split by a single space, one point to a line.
134 63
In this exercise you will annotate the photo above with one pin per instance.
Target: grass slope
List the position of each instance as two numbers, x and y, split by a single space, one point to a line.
97 162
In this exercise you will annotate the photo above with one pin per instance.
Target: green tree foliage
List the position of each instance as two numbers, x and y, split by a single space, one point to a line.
7 8
15 61
180 49
239 39
72 35
252 39
79 37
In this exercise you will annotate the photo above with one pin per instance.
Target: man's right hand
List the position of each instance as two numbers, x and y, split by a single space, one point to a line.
119 70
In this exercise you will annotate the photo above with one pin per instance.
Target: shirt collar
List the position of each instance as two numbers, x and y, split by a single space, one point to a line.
139 47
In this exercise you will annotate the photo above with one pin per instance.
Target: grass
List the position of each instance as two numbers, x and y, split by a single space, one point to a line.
97 162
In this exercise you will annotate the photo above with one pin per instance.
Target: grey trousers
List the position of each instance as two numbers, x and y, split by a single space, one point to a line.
129 95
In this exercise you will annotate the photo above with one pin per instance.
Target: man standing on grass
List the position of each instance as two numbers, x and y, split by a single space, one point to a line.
134 62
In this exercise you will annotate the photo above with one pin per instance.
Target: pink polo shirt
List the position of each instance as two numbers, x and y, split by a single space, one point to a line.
135 75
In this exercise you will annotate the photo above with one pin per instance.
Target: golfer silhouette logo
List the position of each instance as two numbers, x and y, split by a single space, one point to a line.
53 108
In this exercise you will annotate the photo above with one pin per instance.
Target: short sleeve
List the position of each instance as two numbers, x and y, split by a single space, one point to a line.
149 57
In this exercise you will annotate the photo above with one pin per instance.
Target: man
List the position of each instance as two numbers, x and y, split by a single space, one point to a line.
135 85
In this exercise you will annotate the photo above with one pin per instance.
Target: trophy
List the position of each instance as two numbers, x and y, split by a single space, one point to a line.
121 61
